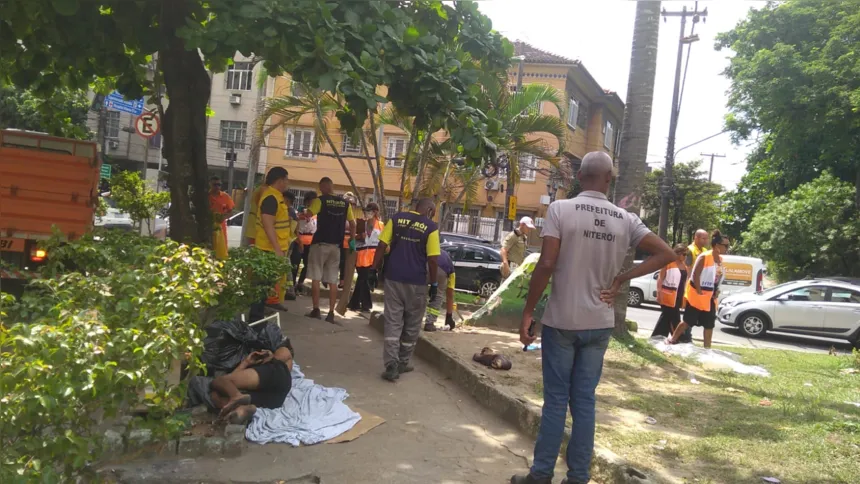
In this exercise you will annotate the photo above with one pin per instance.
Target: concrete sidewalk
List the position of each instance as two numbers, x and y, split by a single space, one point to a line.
434 432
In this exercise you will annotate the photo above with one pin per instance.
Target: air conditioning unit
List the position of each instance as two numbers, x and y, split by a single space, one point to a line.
235 99
491 185
113 144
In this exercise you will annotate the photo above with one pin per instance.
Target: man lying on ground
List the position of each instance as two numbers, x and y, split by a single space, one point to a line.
262 379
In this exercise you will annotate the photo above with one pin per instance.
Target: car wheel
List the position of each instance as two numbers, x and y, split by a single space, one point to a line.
635 297
753 324
488 287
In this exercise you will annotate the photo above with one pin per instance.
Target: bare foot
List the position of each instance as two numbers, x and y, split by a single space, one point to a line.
242 415
234 403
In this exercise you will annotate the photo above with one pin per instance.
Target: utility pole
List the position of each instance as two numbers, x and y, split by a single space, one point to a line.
711 169
509 189
231 165
668 179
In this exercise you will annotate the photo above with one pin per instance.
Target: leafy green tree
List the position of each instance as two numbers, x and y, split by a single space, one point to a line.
133 197
756 188
794 79
418 49
62 113
694 206
812 231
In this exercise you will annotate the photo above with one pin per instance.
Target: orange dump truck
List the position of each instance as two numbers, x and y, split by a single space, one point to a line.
45 182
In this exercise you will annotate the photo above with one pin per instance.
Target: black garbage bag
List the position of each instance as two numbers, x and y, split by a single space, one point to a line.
227 343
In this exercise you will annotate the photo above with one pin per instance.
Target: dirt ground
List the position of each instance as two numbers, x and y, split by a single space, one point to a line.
626 374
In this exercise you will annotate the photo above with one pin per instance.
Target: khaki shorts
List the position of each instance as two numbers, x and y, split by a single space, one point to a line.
324 263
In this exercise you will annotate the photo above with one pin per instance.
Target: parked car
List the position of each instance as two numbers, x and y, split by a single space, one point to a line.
814 307
741 275
234 230
452 238
114 218
477 267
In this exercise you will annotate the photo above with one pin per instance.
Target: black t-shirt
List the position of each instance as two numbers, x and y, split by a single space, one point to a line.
269 206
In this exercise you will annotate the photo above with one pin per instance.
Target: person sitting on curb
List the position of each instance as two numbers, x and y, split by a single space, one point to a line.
262 379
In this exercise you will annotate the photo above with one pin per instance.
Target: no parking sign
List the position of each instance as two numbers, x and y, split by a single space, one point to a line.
147 124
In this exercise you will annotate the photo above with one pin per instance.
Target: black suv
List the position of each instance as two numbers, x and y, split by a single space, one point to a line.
477 267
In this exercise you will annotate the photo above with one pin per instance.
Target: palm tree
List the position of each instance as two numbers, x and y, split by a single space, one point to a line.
322 105
636 127
522 123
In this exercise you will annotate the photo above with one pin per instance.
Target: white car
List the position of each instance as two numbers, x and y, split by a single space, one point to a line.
114 218
828 308
741 275
234 230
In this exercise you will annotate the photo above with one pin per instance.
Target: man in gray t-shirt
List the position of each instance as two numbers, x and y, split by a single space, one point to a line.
585 241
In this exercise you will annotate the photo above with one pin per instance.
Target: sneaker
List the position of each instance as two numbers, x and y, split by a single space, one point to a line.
290 296
315 314
405 367
391 372
330 317
430 327
528 479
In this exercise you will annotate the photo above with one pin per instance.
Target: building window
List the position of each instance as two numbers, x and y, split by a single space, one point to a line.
112 126
350 146
238 76
155 141
396 152
572 113
528 167
233 134
582 116
300 143
390 207
608 135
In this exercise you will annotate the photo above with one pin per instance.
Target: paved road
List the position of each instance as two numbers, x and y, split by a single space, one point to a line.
647 316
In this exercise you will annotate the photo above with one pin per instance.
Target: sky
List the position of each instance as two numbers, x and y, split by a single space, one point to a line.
599 33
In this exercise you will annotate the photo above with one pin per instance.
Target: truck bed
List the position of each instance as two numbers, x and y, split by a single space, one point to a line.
46 182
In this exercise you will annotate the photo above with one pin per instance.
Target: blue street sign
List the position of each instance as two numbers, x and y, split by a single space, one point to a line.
116 102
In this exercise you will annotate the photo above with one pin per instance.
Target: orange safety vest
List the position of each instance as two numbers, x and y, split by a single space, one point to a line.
667 293
366 250
707 281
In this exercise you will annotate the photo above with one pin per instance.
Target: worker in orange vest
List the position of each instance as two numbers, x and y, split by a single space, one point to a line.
671 282
701 291
306 230
366 239
221 206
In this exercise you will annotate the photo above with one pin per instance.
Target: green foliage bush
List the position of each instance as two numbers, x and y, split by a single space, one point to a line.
133 197
812 231
98 334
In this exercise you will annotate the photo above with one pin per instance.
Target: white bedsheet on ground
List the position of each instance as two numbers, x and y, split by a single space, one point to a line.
311 414
711 359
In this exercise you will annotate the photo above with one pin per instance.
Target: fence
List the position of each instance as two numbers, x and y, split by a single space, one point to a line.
485 227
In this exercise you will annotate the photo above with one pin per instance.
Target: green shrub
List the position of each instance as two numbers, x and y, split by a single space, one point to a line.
99 333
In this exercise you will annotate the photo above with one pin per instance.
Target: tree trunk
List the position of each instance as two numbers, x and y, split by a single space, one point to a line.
331 145
409 147
636 127
184 130
471 180
382 208
380 197
422 165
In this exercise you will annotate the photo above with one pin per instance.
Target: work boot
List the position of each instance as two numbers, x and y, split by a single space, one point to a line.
528 479
290 295
430 327
314 314
391 372
404 367
330 317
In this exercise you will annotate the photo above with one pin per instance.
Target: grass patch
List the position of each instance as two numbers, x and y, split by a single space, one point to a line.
466 298
723 430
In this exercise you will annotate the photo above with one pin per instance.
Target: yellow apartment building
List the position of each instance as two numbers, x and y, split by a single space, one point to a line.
591 113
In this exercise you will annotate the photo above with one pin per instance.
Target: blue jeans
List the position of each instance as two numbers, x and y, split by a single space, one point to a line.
572 364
